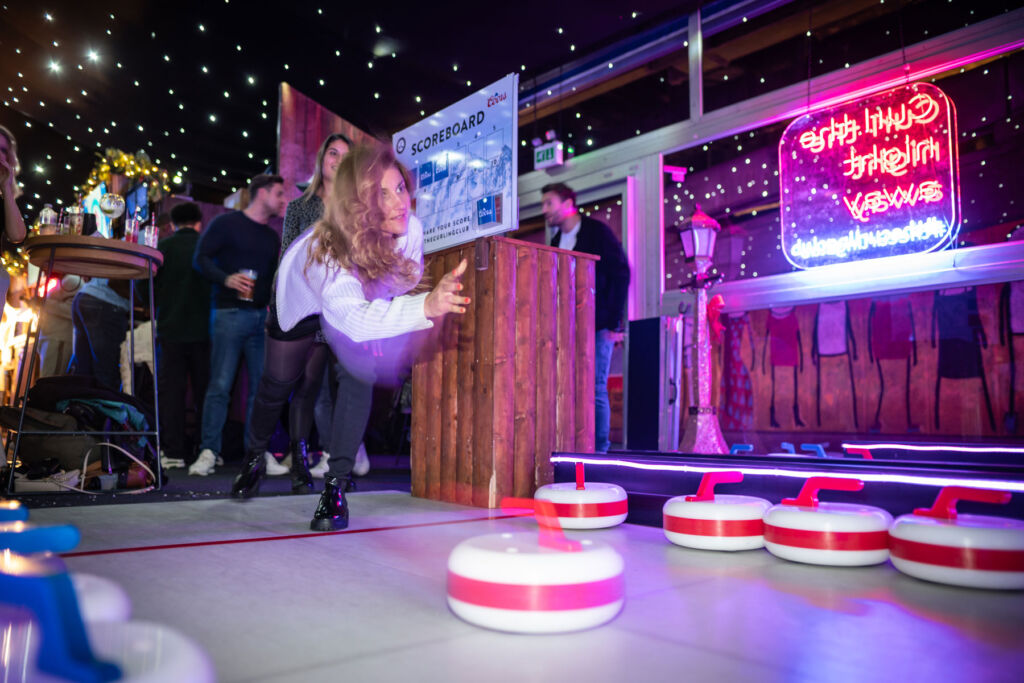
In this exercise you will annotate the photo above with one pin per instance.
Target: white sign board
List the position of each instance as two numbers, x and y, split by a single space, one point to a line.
464 166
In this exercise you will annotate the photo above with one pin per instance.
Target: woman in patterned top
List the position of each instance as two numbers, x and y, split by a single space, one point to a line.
355 270
294 361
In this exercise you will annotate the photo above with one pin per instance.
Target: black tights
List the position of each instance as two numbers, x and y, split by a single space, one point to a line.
291 369
298 366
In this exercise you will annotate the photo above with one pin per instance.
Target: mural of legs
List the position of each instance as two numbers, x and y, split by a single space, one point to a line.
796 401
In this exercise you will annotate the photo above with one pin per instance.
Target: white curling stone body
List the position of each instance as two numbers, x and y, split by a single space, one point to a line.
565 493
724 507
518 558
829 517
144 651
100 599
967 531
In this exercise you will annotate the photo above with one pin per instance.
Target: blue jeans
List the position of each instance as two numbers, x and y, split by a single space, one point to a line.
233 332
604 343
100 327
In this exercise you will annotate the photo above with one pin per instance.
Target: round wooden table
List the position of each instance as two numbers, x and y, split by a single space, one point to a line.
92 256
97 257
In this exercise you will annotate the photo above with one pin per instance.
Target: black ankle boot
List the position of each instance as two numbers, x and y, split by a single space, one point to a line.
332 511
302 480
796 417
247 483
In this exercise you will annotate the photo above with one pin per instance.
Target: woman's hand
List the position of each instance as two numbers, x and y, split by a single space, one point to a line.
7 182
445 298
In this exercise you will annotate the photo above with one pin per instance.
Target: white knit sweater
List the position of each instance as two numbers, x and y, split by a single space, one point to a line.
338 296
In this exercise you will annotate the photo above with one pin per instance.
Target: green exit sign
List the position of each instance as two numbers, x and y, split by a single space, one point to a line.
548 155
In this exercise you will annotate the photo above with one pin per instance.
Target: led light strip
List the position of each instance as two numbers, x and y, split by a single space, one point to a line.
998 485
958 449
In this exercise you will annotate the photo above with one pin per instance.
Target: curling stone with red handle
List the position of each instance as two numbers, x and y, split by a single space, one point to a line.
586 505
710 521
977 551
838 534
525 583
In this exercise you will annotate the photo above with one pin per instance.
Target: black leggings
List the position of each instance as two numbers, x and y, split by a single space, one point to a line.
298 366
291 369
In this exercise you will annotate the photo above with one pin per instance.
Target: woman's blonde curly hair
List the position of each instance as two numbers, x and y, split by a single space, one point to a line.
349 234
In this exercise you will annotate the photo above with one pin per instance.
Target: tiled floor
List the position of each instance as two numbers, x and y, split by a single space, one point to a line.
371 606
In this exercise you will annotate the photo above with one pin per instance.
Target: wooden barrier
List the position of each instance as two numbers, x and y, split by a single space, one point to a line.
497 390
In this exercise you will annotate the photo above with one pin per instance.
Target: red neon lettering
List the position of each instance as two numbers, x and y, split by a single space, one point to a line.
891 160
921 108
864 206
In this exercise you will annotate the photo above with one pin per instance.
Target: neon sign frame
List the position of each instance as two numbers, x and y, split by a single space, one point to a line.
871 178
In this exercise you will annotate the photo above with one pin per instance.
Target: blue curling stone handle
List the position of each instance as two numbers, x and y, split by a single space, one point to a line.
26 538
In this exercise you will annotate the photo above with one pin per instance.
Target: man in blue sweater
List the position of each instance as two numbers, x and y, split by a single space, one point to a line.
234 247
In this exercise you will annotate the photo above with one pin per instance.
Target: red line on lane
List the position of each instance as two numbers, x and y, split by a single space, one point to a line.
321 534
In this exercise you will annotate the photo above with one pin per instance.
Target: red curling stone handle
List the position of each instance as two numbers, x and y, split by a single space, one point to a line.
808 496
945 504
706 490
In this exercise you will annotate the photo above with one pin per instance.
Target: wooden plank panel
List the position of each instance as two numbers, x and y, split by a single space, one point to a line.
565 425
418 428
483 378
434 378
466 398
526 372
504 371
585 349
546 365
449 391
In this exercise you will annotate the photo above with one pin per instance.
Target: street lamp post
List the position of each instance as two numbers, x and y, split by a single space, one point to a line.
703 433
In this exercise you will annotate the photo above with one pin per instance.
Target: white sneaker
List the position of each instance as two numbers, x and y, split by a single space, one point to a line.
320 470
362 465
274 468
171 463
218 461
204 464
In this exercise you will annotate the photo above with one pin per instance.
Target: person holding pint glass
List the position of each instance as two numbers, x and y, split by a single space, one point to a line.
238 255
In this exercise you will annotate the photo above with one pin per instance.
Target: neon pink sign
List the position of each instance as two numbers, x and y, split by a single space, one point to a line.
871 178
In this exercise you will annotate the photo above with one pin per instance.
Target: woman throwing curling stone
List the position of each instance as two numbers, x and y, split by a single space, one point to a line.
355 269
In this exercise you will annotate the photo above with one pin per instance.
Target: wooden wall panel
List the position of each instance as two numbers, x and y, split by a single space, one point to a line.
504 370
547 365
526 371
585 348
449 391
501 387
483 378
565 415
466 386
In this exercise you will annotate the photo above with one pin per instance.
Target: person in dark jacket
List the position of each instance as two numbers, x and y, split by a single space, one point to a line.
182 298
591 236
238 255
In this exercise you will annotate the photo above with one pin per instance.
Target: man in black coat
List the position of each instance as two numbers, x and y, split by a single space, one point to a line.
591 236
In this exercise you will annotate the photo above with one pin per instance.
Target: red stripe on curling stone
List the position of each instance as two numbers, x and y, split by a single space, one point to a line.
535 598
960 558
827 540
618 507
714 527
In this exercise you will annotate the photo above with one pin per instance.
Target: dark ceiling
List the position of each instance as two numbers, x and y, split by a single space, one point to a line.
195 83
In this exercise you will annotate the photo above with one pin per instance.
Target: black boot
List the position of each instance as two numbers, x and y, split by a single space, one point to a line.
796 416
332 511
302 480
247 483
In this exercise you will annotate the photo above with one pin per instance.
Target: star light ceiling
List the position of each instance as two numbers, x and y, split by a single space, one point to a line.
195 85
